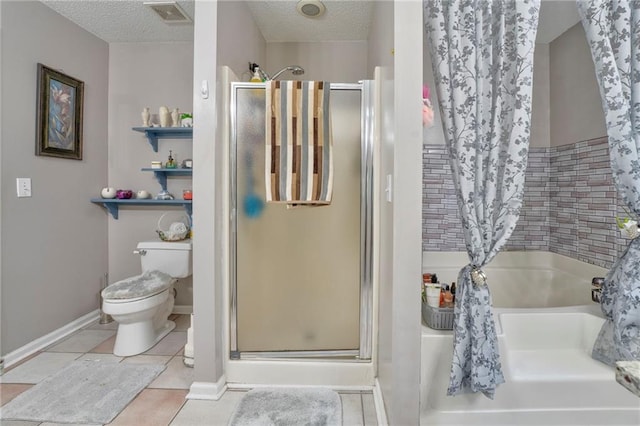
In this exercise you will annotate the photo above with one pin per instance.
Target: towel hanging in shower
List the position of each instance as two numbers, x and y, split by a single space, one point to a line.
299 158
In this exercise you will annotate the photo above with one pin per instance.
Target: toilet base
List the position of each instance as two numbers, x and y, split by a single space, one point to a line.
136 338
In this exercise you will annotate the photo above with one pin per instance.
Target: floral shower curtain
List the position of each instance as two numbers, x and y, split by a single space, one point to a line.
482 56
613 32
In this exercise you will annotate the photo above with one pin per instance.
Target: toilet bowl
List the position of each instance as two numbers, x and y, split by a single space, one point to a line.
142 304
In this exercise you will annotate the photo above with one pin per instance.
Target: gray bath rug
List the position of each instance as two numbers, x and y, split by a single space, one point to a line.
288 407
86 392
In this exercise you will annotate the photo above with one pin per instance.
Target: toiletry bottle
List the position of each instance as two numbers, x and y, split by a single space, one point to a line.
256 76
453 292
171 163
443 290
448 297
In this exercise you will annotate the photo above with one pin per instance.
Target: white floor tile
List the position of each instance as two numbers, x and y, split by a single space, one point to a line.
209 413
19 423
148 359
82 341
172 344
351 409
38 367
101 357
176 376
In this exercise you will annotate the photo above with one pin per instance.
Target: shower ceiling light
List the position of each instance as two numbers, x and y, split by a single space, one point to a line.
311 8
169 11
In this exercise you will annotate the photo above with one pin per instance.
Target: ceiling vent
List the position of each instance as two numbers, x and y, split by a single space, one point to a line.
169 11
311 8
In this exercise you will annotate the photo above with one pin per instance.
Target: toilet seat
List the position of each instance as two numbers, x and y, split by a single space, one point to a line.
137 287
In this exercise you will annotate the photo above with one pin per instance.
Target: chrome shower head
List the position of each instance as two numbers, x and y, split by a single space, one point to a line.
295 70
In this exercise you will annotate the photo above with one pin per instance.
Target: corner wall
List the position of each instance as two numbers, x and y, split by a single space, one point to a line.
145 75
576 106
54 244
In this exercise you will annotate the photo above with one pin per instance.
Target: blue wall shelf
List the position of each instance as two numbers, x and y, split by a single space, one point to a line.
155 133
112 204
162 174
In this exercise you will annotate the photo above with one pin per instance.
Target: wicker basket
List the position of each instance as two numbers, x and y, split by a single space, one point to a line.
170 226
437 318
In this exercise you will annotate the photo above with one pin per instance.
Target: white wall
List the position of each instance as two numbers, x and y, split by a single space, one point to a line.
239 39
227 29
540 107
145 75
335 61
380 54
576 106
396 44
54 244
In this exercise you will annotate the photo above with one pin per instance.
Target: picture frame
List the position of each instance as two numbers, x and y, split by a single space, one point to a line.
59 114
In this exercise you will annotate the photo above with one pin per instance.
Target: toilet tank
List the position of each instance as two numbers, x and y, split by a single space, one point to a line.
173 258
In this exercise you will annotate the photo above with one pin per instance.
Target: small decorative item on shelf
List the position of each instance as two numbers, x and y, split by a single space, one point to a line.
175 118
164 195
186 120
187 164
187 194
164 116
172 227
171 163
124 194
108 192
146 117
142 194
156 164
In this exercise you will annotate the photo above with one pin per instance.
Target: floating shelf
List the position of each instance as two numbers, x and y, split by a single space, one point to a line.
161 174
112 204
155 133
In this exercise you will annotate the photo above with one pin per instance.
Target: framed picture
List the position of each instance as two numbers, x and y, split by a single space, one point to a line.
59 121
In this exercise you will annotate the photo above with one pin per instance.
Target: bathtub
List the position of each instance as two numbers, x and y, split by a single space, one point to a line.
546 325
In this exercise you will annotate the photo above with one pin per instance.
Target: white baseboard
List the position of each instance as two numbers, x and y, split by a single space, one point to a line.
378 400
182 309
207 390
46 340
338 388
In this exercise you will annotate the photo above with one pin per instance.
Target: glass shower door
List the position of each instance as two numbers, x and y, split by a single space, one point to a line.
297 271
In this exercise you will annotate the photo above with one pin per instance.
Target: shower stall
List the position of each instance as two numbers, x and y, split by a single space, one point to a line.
301 278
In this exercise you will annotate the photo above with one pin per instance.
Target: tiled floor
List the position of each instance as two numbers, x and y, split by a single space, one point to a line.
163 401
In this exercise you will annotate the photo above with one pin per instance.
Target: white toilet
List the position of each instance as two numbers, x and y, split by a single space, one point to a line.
142 304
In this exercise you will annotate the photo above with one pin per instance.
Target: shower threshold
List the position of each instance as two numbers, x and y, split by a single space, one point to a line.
342 355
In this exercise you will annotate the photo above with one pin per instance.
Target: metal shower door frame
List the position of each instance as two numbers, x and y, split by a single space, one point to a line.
366 230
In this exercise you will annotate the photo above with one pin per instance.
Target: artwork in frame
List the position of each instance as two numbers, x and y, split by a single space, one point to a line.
59 115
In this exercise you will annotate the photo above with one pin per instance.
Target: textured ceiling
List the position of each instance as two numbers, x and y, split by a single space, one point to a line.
124 20
278 20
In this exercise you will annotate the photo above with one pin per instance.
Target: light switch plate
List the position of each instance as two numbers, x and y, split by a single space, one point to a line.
23 187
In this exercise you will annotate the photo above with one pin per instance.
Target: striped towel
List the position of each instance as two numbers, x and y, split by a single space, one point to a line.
299 159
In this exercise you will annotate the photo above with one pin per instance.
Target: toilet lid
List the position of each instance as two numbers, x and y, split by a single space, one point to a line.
147 284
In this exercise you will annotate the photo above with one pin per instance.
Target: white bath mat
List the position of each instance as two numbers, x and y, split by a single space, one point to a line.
288 407
86 392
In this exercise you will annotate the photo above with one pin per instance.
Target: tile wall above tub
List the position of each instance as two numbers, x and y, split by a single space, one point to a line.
569 204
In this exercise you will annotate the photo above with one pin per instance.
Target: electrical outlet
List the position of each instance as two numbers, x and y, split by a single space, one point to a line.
23 187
